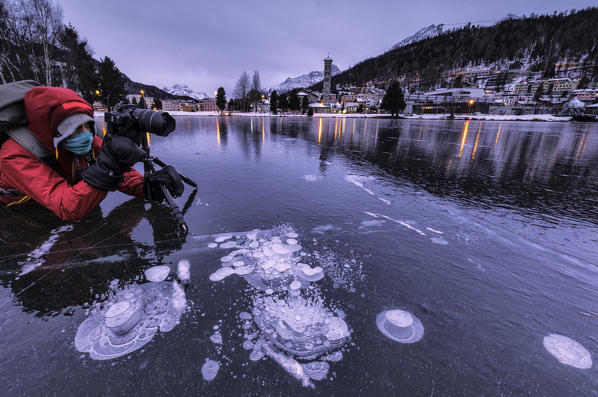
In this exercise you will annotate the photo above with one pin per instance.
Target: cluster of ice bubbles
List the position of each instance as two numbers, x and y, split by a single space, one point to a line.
290 323
131 316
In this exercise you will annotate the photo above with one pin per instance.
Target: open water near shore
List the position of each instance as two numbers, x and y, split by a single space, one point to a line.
486 231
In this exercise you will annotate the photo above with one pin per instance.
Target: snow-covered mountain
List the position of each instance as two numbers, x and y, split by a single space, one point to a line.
435 30
423 33
183 89
303 81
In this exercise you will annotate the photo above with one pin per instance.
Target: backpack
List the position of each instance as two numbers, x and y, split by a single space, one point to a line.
13 120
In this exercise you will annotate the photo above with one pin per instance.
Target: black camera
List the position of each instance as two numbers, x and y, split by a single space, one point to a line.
127 120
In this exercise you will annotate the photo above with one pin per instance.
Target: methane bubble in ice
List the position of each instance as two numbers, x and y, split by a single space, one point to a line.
299 326
210 369
316 370
212 245
183 270
157 273
568 351
268 260
400 326
129 319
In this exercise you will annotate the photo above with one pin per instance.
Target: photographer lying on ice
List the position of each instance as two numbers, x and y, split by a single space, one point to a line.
82 167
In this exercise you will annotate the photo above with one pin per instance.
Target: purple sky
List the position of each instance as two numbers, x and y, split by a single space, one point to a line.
208 44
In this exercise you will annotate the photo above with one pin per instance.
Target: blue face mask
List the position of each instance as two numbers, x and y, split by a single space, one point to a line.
79 144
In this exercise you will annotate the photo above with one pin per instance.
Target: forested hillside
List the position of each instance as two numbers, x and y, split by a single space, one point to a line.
539 42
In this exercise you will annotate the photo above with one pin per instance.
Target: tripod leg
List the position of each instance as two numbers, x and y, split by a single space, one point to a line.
174 208
185 179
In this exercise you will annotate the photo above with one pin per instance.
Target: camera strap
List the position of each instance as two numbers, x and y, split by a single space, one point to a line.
24 137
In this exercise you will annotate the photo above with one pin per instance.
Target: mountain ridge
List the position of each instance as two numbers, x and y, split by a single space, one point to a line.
303 81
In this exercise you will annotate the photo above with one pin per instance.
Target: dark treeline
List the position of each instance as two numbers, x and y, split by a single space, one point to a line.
543 40
36 44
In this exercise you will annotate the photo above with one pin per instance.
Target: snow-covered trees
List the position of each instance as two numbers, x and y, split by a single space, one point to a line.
242 89
29 33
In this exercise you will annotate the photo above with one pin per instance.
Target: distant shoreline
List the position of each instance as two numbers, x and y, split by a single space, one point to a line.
439 116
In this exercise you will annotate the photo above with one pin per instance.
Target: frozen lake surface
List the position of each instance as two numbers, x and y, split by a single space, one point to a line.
306 237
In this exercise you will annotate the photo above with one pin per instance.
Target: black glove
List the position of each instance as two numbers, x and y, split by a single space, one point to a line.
168 177
117 156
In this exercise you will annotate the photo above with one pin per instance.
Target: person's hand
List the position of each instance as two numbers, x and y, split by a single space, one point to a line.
120 153
117 156
167 176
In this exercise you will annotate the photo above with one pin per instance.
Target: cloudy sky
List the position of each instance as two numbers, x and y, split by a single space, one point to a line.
206 44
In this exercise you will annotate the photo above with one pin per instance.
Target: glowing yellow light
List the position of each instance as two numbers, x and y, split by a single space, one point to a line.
471 102
320 131
218 132
142 92
464 137
497 135
97 92
148 138
475 146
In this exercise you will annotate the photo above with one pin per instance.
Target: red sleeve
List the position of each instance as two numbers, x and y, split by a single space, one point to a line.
132 183
45 186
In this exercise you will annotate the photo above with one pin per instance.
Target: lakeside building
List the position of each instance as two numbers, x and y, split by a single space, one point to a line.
208 105
148 99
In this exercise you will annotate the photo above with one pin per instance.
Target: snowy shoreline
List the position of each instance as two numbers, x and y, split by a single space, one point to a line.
440 116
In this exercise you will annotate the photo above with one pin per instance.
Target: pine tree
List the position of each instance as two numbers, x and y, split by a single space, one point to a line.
304 104
394 100
112 83
274 102
141 104
221 98
134 101
294 103
283 103
231 105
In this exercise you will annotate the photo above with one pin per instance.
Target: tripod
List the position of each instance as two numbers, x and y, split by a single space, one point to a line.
148 166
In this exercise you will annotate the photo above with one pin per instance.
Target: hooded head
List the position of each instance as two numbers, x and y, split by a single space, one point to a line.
55 113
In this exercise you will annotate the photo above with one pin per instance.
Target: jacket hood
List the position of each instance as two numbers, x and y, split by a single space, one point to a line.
47 107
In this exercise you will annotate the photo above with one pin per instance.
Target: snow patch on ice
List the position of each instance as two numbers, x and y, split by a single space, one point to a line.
568 351
157 273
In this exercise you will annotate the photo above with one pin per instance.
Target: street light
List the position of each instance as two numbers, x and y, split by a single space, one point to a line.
98 92
142 92
471 103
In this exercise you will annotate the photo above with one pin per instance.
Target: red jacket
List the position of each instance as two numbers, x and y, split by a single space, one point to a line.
46 108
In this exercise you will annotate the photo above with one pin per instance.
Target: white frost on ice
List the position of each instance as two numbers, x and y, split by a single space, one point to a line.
212 245
183 270
223 238
408 226
310 178
179 300
434 231
324 228
34 258
568 351
439 241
